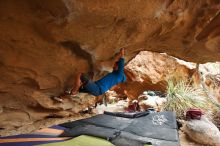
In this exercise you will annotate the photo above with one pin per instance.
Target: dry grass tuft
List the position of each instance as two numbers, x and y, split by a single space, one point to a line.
182 96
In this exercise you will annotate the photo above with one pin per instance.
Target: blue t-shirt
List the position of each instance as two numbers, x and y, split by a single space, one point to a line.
113 78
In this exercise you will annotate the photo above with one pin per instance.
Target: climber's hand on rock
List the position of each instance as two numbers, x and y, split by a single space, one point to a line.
122 52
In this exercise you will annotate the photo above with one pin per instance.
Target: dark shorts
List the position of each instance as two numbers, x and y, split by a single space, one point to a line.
84 78
91 87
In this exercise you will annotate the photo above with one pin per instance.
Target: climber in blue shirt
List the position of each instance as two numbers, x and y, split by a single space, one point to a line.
105 83
99 87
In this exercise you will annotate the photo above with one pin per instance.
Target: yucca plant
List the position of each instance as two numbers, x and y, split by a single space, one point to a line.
182 96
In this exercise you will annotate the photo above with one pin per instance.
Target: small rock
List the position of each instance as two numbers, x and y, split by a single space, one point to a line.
111 96
203 131
152 102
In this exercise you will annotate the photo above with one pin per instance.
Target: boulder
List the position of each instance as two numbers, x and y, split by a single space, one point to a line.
151 102
203 131
151 70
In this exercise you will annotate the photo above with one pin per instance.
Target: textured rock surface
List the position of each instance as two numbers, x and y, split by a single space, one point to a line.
150 71
211 78
21 115
203 131
186 141
44 42
212 83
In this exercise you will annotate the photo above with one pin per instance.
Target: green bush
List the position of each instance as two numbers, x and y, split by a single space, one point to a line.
182 96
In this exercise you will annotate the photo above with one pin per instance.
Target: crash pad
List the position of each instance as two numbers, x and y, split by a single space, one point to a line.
158 129
43 136
83 140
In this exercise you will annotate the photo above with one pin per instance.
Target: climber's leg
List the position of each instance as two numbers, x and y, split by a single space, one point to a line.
77 84
91 88
73 91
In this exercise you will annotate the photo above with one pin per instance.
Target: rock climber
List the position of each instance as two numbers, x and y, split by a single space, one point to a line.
83 82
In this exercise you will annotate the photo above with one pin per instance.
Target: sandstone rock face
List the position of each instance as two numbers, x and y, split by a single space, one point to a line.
210 68
44 43
211 78
212 83
156 67
150 71
203 131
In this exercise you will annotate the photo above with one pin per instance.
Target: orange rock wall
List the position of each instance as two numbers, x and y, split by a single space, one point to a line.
43 43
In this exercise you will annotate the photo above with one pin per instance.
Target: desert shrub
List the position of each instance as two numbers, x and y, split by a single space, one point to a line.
181 96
